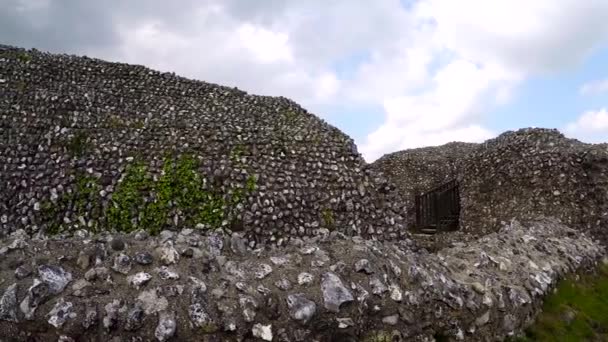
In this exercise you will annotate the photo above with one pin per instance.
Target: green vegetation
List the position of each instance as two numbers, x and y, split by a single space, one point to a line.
21 56
142 201
577 311
117 122
328 218
78 144
83 201
24 57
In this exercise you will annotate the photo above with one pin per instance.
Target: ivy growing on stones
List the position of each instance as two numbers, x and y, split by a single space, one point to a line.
141 202
83 201
328 218
78 144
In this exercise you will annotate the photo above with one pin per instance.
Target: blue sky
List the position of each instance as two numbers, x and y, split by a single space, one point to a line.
393 74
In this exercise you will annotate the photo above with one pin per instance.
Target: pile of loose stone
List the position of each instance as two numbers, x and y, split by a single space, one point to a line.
522 174
184 286
63 115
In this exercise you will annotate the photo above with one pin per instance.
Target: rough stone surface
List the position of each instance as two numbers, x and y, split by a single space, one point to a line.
482 289
98 118
522 175
315 250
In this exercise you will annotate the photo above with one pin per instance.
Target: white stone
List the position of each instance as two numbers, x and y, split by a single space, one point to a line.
262 331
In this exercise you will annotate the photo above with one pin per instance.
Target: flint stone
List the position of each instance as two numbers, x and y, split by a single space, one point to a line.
23 272
168 254
363 266
334 292
200 317
262 331
55 277
167 274
151 303
166 326
122 264
135 318
300 308
60 313
139 279
305 278
143 258
262 270
8 304
378 287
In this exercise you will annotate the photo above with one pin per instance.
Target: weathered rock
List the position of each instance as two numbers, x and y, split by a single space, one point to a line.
166 326
8 304
139 279
55 277
300 308
122 264
262 331
143 258
60 313
334 292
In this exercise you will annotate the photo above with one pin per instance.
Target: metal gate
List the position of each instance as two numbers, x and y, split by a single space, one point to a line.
438 209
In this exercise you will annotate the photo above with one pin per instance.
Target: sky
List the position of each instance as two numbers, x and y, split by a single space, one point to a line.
392 74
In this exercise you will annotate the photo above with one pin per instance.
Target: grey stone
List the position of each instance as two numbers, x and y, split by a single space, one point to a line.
263 332
363 266
391 320
168 254
283 284
55 277
151 303
262 270
122 264
139 279
143 258
378 286
8 304
300 308
166 273
334 292
166 327
135 318
305 278
22 272
59 313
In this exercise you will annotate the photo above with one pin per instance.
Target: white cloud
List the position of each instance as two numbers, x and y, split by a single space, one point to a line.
591 126
594 87
491 46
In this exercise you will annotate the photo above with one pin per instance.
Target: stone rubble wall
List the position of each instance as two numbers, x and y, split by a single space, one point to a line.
184 286
520 174
418 170
532 172
65 118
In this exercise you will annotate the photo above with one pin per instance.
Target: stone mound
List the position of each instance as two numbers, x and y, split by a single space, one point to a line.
533 172
96 145
520 174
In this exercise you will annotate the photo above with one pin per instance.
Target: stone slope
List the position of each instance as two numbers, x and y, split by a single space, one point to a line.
185 287
85 144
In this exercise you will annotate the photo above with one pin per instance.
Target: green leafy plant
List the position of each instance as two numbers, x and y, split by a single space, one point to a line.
78 144
328 218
